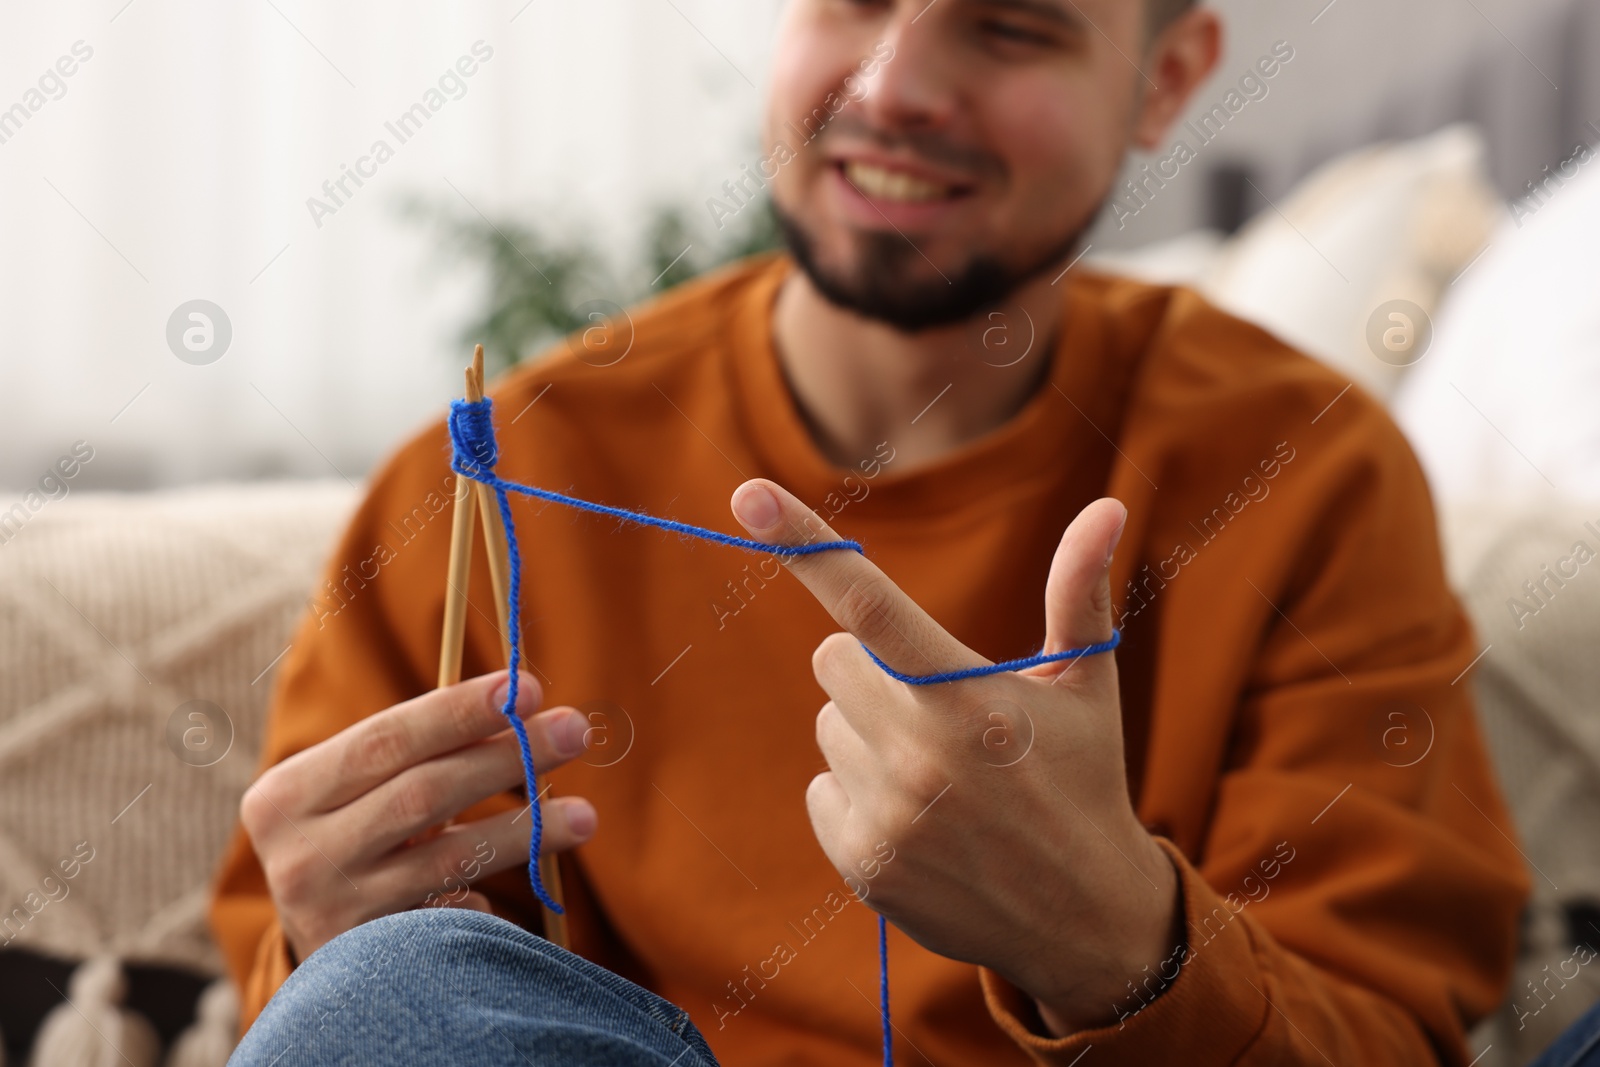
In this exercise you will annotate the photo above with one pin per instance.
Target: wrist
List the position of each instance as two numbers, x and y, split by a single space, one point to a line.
1143 917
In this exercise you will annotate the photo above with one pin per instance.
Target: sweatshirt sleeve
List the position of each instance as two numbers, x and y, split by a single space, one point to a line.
1236 999
1350 884
368 640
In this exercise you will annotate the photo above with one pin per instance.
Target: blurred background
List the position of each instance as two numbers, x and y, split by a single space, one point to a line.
202 311
177 163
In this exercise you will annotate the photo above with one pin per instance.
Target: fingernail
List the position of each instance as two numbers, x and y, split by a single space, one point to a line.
755 506
1116 536
527 694
581 816
568 734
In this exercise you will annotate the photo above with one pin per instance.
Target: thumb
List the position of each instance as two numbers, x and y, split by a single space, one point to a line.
1077 596
476 901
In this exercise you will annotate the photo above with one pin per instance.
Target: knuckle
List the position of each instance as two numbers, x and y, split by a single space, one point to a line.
480 859
454 715
414 800
827 722
921 785
471 865
381 742
558 819
475 711
444 874
1100 599
512 843
465 710
258 814
863 607
252 813
291 874
828 661
855 843
817 791
925 780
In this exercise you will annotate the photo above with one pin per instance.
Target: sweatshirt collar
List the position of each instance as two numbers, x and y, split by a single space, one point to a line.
1027 453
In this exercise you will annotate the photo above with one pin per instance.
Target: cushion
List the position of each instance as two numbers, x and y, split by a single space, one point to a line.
138 634
1385 223
1536 687
1506 402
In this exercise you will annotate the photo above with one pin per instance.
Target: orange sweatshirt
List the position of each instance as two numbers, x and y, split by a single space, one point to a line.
1297 727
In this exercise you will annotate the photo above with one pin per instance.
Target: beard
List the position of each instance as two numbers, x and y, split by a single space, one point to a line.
882 287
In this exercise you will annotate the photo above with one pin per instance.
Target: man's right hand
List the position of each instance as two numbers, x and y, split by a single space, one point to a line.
355 828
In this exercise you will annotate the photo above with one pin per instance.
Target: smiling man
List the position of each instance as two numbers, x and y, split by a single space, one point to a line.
1262 831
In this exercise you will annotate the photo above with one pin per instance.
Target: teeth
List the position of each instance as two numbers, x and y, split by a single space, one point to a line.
882 184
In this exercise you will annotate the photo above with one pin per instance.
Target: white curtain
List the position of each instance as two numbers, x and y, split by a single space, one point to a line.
176 160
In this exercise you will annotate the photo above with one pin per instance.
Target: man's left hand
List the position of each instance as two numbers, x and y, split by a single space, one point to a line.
1005 797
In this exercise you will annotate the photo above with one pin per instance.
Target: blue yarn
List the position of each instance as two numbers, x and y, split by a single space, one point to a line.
480 442
998 668
472 429
883 990
475 454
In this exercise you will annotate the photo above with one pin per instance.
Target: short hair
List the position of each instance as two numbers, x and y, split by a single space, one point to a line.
1161 12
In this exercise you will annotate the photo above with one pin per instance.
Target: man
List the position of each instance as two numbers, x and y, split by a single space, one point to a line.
1263 831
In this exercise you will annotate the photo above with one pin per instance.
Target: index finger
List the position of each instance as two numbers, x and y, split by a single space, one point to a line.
850 587
381 746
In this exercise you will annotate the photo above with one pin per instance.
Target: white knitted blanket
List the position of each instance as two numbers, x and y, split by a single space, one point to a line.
115 611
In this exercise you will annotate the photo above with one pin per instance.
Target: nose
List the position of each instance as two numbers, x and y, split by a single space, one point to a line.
915 87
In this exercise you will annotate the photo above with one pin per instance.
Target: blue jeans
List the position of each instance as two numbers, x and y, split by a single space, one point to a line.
1578 1047
446 985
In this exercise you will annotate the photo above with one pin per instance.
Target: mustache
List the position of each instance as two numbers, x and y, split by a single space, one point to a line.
927 145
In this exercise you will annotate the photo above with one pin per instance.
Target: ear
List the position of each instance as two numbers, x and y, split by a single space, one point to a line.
1180 58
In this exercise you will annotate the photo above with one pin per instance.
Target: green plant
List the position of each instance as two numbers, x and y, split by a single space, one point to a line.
536 282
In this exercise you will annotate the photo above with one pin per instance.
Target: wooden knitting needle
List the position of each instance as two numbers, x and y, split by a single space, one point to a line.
455 594
494 532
